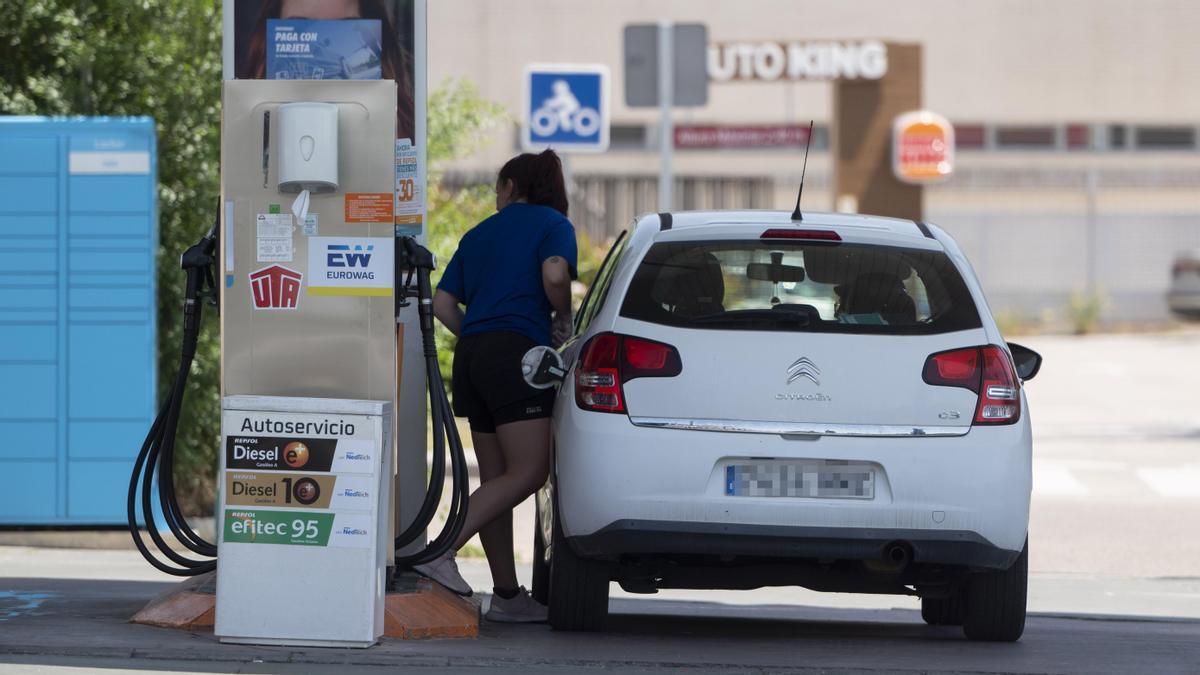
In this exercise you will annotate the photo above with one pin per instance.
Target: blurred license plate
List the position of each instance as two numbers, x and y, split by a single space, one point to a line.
824 479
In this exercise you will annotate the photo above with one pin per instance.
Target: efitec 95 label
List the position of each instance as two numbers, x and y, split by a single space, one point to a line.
243 526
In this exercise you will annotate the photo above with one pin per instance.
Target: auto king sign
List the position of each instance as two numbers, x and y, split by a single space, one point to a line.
922 147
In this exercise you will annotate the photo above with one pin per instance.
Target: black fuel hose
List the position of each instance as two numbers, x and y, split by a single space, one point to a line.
155 462
446 440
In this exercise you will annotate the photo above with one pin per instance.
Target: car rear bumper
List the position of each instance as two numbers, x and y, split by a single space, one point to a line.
1184 301
661 538
927 489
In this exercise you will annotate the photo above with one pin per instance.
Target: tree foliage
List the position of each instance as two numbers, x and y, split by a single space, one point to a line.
160 58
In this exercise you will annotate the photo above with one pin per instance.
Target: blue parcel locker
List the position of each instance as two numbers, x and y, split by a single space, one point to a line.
78 234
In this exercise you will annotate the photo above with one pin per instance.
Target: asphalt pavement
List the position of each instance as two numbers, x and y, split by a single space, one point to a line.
1115 571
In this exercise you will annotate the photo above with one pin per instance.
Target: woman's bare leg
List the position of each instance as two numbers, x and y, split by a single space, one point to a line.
497 535
526 449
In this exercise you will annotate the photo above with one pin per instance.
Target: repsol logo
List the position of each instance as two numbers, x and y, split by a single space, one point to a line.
802 397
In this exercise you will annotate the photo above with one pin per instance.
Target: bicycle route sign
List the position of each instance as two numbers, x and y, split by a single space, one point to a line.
566 107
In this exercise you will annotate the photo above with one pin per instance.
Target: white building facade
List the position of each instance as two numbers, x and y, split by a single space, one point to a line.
1077 122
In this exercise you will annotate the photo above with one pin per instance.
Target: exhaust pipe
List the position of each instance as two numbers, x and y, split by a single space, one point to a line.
897 555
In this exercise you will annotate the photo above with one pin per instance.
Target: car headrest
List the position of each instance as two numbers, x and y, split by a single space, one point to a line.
878 293
692 279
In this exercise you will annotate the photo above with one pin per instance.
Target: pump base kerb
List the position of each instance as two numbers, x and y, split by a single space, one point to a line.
189 605
415 609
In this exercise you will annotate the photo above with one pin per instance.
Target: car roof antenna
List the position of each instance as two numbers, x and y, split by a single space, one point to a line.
796 215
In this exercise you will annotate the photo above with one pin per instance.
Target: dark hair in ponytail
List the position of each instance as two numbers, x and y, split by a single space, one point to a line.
538 179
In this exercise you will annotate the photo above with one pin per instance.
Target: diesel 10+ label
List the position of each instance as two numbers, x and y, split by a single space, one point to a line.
321 491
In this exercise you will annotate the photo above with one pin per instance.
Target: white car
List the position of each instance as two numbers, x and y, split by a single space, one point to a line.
755 401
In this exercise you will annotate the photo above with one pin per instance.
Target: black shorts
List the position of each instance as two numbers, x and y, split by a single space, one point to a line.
487 384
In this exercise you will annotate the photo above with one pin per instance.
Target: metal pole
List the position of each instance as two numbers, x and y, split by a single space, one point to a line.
1092 234
666 129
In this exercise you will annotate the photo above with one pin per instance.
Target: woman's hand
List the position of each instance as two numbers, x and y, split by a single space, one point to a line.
561 329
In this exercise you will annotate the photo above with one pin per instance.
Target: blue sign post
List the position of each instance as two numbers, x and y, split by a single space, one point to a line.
566 108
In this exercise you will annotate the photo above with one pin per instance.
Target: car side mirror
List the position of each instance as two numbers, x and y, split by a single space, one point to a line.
1026 361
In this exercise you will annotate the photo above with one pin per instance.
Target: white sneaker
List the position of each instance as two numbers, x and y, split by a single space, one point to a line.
521 608
444 570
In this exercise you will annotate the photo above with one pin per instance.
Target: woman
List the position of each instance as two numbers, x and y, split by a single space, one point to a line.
510 271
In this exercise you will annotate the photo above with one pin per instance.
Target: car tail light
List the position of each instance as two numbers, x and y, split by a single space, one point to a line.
988 372
1183 266
610 360
819 235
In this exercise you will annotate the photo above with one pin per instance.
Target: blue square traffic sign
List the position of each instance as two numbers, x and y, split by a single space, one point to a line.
566 108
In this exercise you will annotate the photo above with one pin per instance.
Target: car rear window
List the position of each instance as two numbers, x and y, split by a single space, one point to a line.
800 286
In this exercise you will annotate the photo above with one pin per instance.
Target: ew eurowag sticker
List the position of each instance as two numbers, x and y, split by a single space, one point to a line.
351 266
276 287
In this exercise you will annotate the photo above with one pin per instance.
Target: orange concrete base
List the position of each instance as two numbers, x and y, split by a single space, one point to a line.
423 609
419 609
190 605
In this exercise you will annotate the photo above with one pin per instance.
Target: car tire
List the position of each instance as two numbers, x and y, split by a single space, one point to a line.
946 611
541 569
995 602
578 587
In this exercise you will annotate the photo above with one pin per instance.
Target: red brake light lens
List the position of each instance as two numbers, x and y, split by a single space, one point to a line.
610 360
959 368
646 356
818 235
597 378
988 372
1000 395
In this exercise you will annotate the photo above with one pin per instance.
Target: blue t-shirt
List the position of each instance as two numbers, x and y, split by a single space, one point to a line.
497 270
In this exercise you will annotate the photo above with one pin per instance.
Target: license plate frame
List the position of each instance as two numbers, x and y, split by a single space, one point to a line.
801 479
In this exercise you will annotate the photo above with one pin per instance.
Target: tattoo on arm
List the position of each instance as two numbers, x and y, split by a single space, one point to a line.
554 259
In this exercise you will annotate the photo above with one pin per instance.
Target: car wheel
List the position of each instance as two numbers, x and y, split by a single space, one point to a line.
578 587
995 602
946 611
541 569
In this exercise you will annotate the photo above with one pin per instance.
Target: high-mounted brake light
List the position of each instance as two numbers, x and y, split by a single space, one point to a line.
988 372
610 360
818 235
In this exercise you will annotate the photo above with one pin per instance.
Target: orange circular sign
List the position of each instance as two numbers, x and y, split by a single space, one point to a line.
922 147
295 454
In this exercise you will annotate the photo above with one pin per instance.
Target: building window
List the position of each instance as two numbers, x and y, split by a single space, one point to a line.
1116 136
1166 138
1025 137
627 137
968 136
1079 137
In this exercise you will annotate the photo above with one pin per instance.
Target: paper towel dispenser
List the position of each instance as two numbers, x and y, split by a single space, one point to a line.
308 147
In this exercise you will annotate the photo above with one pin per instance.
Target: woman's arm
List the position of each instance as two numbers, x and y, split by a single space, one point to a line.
556 280
445 308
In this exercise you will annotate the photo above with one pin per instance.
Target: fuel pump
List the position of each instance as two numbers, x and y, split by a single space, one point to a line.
314 292
154 466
